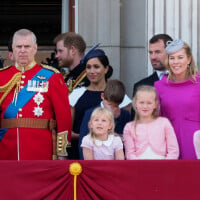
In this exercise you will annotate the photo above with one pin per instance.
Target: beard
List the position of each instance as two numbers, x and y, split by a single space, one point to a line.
66 63
159 66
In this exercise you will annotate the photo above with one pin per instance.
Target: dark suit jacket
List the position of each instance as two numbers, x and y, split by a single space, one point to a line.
150 80
146 81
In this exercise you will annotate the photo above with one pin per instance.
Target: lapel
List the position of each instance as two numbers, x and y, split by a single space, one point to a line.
155 77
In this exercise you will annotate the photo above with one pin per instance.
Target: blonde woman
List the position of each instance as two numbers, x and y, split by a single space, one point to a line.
179 94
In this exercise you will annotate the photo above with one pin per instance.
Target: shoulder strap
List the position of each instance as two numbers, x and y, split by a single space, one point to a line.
50 68
3 68
25 95
79 79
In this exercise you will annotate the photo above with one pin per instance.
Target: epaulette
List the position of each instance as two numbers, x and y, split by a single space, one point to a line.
50 68
3 68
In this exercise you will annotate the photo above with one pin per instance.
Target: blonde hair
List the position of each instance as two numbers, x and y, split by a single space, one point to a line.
102 111
192 68
150 89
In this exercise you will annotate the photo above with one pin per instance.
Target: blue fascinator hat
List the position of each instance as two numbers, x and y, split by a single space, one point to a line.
96 53
85 57
174 46
99 53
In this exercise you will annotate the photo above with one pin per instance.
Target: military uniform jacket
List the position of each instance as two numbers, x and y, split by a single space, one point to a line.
76 78
47 99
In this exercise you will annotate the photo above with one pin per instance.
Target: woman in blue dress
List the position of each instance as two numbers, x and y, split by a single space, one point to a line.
98 70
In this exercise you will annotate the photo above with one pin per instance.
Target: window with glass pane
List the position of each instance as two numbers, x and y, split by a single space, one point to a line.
42 17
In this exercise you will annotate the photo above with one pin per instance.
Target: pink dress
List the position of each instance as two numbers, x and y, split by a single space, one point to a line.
103 150
155 140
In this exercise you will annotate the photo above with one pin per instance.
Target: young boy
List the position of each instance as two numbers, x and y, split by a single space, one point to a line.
112 96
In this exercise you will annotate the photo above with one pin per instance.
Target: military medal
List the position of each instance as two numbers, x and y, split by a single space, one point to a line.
38 86
38 98
38 111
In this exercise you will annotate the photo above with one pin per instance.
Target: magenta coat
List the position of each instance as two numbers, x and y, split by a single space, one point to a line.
180 103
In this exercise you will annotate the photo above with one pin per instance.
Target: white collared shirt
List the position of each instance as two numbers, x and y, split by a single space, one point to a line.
103 150
107 142
161 73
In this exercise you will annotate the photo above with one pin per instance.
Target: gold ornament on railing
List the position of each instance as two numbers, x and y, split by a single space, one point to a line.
75 169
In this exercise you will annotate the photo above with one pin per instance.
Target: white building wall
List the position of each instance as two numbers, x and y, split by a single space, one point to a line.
99 22
133 42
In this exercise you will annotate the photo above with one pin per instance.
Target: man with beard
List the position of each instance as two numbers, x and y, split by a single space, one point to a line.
158 56
70 52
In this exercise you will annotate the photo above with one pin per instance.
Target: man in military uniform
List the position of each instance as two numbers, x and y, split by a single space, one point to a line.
70 52
32 99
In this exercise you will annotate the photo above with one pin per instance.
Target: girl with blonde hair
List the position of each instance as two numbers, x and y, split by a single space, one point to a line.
149 136
101 143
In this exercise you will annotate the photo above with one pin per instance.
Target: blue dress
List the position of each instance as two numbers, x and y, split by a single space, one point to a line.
87 100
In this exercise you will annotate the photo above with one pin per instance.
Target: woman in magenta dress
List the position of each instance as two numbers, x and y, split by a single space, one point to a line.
179 94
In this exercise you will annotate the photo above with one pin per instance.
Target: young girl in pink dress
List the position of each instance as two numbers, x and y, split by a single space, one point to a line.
101 143
149 136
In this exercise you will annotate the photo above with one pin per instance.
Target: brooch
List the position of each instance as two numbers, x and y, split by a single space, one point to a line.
41 77
38 111
38 98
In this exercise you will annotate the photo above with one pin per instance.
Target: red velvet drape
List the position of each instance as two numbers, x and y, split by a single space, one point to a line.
101 180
